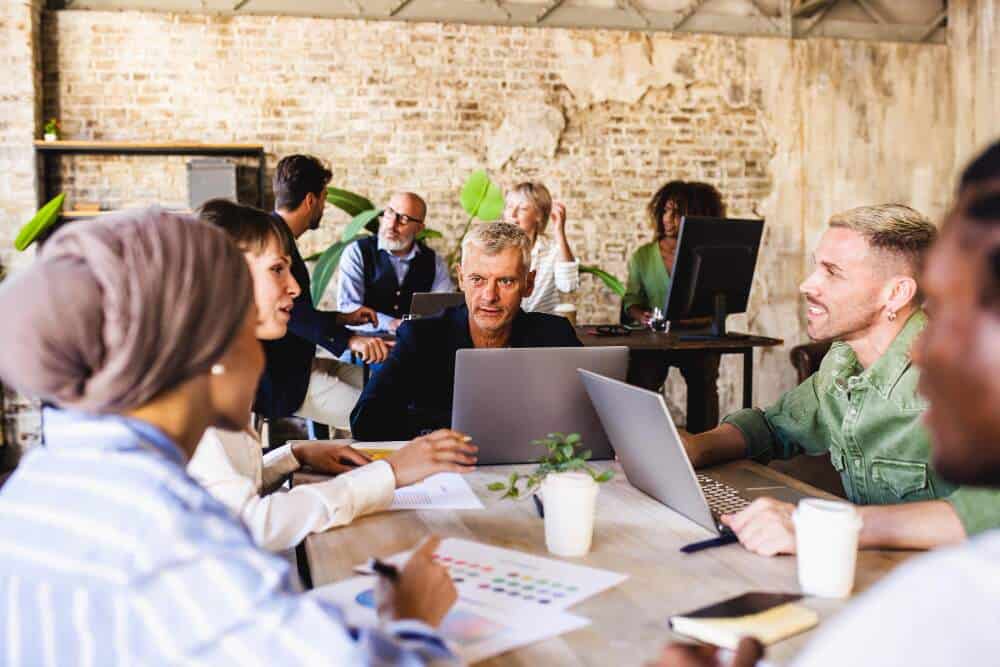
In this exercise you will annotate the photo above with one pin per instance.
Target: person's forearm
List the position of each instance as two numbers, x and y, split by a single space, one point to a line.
721 444
565 252
922 525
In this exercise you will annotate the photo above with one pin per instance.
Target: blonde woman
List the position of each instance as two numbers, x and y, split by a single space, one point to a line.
529 206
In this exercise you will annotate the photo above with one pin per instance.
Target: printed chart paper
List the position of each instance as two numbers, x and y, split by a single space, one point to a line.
475 631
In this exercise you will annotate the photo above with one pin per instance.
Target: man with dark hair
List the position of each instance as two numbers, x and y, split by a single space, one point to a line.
295 382
384 271
940 609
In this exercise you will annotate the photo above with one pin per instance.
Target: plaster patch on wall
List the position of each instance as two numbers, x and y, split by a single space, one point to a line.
532 129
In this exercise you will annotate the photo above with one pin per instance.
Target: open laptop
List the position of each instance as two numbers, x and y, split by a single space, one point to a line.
428 304
651 453
505 398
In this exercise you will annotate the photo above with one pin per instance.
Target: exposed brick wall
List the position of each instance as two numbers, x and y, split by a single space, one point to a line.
20 109
793 131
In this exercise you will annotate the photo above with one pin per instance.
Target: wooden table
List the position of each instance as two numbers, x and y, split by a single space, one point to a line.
633 534
674 348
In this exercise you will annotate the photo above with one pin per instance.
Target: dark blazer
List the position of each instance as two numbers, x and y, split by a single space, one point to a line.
412 391
285 380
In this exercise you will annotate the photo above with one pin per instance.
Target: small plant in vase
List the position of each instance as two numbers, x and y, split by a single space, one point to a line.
564 455
52 130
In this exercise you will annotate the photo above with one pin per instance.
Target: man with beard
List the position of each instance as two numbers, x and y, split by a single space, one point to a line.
383 272
862 405
294 381
939 609
412 393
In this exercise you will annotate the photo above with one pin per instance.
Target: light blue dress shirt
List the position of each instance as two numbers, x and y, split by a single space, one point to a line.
110 554
351 292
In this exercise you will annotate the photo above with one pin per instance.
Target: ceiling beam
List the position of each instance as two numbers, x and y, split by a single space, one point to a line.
935 23
873 13
400 6
686 14
551 7
812 5
818 18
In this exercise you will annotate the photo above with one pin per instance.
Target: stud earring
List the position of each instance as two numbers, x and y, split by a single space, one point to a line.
218 369
892 315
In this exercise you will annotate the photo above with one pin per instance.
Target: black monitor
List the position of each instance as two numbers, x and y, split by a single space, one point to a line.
713 271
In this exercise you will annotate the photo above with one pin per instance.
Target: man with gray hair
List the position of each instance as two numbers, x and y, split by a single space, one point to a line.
862 405
413 390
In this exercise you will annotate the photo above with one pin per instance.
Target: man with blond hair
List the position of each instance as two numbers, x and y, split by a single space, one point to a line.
862 405
413 390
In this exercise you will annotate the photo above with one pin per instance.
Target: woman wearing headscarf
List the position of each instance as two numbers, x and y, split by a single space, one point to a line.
140 327
230 465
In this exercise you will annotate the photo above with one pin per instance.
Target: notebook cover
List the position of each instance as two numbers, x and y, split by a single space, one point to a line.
743 605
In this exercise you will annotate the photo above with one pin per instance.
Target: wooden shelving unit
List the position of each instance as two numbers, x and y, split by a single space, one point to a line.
47 150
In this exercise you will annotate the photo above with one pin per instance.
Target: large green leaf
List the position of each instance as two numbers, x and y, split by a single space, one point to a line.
349 202
612 283
359 222
326 266
44 218
426 233
482 198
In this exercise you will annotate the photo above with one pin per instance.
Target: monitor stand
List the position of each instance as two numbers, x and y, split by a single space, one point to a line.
717 330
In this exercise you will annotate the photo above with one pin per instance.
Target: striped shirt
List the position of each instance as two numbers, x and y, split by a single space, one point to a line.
552 276
110 554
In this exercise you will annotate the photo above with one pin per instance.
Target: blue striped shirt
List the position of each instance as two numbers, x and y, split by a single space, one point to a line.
111 554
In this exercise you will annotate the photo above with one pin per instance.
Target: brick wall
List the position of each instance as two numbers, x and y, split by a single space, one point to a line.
792 131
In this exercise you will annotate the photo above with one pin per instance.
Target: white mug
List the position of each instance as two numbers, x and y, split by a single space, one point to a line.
570 500
826 543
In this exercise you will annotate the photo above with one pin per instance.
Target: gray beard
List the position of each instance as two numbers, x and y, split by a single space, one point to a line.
395 246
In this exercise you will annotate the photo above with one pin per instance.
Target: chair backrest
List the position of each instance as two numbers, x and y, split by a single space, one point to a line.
807 358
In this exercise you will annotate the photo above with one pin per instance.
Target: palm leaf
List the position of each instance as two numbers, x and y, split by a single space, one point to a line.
425 234
349 202
43 219
326 266
359 222
609 280
481 198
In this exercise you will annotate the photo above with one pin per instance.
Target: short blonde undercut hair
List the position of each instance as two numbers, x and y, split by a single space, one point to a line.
495 237
893 228
538 196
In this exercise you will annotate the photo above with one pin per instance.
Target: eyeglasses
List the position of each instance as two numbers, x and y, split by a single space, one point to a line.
392 215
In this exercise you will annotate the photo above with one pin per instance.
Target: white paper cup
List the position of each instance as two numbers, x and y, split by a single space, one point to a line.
570 499
566 310
826 539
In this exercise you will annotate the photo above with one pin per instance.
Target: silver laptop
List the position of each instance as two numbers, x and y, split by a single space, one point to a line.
652 454
505 398
428 304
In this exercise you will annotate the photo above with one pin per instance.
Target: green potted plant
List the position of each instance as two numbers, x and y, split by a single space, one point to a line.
568 487
52 130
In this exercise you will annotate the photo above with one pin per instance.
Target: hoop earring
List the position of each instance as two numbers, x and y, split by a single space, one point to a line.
218 369
892 315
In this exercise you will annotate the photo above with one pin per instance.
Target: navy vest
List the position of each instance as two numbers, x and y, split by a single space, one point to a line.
382 289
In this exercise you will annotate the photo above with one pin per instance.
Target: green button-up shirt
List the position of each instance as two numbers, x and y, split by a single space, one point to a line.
869 421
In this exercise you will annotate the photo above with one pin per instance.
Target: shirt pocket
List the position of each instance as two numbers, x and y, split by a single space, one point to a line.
901 481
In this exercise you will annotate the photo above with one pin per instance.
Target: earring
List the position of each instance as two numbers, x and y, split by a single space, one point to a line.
218 369
892 315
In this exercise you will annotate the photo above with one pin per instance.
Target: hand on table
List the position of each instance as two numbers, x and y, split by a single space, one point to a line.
363 315
327 457
747 654
423 591
441 451
765 527
370 349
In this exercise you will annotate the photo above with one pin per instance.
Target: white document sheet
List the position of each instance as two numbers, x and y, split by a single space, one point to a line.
475 631
513 580
443 491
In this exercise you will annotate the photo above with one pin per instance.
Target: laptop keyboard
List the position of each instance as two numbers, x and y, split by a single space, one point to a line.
722 498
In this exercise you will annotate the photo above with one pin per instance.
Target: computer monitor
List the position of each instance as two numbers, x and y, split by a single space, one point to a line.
713 271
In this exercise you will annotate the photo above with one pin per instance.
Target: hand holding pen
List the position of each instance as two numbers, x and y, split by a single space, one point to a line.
422 590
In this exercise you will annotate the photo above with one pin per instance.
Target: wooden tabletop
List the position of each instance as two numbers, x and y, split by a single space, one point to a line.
633 534
645 339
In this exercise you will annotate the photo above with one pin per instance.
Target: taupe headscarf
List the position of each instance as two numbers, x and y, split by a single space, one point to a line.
119 309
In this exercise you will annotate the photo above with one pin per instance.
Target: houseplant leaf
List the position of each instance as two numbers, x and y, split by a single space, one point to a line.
326 266
474 191
425 234
349 202
609 280
43 219
359 222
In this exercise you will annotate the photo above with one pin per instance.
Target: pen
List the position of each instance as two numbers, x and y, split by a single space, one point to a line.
386 570
539 506
721 541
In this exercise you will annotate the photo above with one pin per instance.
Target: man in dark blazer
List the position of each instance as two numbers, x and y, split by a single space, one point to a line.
413 390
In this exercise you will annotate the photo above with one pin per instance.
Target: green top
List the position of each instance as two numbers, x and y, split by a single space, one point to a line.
869 421
648 279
